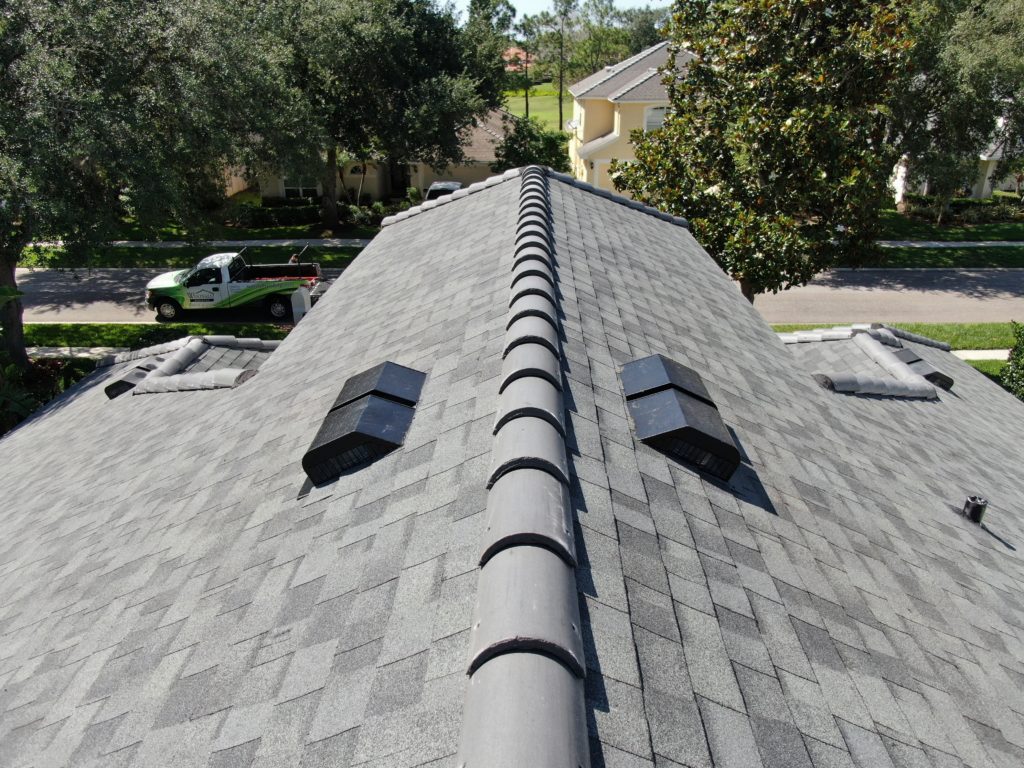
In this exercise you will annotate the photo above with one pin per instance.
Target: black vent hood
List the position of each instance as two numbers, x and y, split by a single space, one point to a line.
370 418
674 413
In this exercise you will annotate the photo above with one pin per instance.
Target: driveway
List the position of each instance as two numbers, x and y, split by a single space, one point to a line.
901 295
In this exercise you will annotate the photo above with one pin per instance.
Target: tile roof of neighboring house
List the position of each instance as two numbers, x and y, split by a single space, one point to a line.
635 79
170 597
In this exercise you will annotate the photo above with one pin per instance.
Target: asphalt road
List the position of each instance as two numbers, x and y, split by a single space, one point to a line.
870 295
901 295
107 296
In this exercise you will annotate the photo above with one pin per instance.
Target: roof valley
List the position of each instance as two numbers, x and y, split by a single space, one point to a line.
525 700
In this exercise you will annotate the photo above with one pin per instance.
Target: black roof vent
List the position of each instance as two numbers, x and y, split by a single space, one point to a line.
924 369
388 380
369 419
674 413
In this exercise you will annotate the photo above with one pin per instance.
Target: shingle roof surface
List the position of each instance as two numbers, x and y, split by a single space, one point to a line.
607 81
168 600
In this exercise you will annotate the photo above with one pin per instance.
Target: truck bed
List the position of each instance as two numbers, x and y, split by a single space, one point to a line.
278 272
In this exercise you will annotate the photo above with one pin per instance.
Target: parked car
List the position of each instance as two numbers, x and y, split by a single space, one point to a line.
439 188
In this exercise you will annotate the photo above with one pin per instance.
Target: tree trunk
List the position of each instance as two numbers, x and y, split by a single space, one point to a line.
747 289
10 317
526 91
561 72
329 199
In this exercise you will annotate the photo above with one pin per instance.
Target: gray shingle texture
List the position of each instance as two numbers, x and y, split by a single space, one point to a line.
168 599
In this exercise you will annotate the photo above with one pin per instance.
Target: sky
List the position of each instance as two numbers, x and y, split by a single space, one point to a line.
530 7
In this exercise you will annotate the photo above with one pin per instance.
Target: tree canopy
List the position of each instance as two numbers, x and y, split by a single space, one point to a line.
111 108
526 142
964 93
395 79
775 143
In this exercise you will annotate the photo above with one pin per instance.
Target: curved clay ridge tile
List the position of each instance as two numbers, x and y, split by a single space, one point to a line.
524 705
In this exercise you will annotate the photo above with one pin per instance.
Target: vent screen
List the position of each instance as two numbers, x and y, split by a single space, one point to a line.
924 369
369 419
674 413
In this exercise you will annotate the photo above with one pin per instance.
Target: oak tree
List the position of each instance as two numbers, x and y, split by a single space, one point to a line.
775 146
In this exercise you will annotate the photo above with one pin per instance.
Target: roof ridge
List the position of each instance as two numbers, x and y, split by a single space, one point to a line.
905 381
620 199
525 700
634 84
458 194
615 69
514 173
917 338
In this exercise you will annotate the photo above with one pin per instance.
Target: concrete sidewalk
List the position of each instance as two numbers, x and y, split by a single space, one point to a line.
295 242
982 354
951 244
76 352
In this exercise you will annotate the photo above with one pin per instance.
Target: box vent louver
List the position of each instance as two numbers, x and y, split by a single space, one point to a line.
369 419
674 413
923 369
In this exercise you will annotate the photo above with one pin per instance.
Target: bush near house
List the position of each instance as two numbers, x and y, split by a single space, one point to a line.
1012 376
23 390
965 210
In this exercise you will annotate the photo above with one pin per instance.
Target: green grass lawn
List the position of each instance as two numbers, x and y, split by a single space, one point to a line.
543 105
963 258
991 368
957 335
139 335
187 256
896 226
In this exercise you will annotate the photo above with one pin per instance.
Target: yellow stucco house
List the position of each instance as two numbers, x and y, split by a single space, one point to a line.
611 103
373 177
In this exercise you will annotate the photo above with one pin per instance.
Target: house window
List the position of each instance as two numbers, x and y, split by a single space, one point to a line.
654 118
300 188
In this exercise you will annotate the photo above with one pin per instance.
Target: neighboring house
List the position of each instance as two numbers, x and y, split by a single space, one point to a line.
177 593
610 104
984 184
517 59
373 177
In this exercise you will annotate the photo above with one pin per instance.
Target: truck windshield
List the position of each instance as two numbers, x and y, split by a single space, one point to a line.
184 275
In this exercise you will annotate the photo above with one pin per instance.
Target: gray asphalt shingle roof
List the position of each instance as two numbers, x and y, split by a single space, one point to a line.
169 599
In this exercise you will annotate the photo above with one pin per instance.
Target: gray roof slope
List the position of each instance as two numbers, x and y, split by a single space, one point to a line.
607 81
167 600
167 597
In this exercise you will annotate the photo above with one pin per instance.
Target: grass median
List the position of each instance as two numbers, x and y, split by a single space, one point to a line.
953 258
991 368
137 336
957 335
896 226
187 256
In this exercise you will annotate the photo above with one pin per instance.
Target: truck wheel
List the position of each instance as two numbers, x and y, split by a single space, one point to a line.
168 309
278 307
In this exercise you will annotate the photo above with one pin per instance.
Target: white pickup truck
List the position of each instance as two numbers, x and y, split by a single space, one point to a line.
226 280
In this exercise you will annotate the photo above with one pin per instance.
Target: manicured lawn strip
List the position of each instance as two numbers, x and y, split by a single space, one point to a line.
957 335
991 368
139 335
223 232
896 226
189 255
543 105
962 258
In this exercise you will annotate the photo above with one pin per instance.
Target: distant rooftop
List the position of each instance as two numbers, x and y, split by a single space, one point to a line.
635 79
